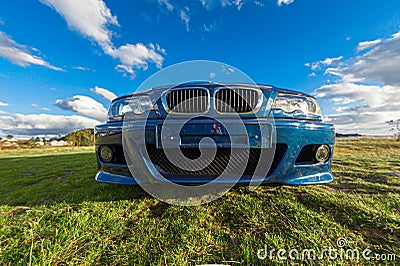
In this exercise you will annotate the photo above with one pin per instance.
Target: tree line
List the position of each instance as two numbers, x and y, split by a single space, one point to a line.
84 137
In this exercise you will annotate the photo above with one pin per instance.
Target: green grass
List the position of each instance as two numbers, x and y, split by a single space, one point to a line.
53 212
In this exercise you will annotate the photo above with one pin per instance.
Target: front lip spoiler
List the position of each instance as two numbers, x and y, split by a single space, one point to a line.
315 179
109 178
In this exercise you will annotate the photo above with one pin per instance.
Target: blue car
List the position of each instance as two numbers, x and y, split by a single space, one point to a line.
193 133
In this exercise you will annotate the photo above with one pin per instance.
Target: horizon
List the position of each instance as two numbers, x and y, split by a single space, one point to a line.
60 136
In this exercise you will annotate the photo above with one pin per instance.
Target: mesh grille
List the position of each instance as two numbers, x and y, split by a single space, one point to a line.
228 100
218 165
190 100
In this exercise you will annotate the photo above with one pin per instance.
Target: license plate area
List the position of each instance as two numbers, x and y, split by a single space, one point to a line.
226 135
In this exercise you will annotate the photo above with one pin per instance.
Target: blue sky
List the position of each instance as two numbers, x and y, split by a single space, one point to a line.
61 61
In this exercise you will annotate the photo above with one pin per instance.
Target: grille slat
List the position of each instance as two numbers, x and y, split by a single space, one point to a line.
225 97
235 100
188 100
197 102
242 100
247 97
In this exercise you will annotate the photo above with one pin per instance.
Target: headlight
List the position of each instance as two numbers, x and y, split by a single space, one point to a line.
135 104
296 106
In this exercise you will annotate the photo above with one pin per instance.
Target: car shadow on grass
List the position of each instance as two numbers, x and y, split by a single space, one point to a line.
51 179
368 184
60 178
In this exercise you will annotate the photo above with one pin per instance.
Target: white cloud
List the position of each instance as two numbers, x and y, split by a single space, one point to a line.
381 63
2 104
81 68
227 70
326 62
125 70
373 96
104 92
212 4
19 54
286 2
158 48
137 56
237 3
40 108
3 112
330 61
362 121
182 8
211 27
36 124
83 105
88 17
208 4
361 108
92 19
185 17
167 4
368 44
258 3
367 92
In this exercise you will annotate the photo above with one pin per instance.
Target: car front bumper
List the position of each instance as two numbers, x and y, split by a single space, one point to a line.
293 135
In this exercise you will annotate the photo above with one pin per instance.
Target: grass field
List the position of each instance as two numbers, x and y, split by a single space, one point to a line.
53 212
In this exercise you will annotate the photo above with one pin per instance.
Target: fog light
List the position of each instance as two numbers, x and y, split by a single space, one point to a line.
106 153
323 153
